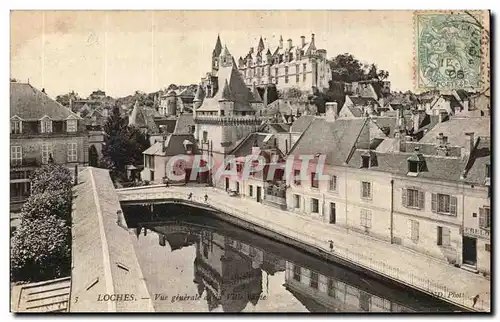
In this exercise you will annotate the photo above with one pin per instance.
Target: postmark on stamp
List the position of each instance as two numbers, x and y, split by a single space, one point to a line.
448 50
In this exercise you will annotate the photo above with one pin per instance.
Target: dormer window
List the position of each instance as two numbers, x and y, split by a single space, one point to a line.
46 125
71 125
16 127
416 163
365 161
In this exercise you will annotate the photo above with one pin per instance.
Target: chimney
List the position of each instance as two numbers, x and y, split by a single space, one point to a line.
312 39
289 44
303 40
469 145
331 111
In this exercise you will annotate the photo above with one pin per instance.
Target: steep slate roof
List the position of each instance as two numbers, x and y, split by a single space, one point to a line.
143 117
356 111
174 145
480 157
236 89
301 124
30 104
363 101
455 130
438 168
333 139
184 122
279 127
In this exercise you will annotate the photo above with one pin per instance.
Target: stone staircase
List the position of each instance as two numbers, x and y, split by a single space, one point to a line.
46 296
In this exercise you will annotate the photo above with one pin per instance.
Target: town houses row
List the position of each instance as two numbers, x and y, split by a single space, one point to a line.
418 178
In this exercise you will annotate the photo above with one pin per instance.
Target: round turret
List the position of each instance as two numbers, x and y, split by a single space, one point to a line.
171 99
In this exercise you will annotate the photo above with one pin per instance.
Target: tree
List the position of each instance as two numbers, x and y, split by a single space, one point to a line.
40 250
46 204
346 68
66 98
51 177
123 144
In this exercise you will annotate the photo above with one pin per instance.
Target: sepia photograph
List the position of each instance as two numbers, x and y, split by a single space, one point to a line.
250 161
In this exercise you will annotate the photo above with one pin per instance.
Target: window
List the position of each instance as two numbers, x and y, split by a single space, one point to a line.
413 230
304 77
276 72
297 78
365 161
46 152
366 218
296 177
222 113
488 171
487 247
413 166
304 67
250 190
484 217
46 126
366 190
296 273
364 301
444 204
15 127
72 152
443 238
314 205
71 125
413 198
297 201
333 183
205 136
16 155
314 180
313 282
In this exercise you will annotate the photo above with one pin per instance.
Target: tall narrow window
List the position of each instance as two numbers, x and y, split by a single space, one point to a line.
413 198
314 205
444 204
71 125
296 272
72 152
16 155
366 218
46 152
443 238
46 126
484 217
314 180
366 190
296 177
314 281
333 183
15 127
205 136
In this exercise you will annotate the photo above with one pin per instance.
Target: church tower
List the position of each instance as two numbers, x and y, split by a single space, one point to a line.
215 56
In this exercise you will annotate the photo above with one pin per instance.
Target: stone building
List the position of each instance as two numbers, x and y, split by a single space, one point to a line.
224 109
301 65
41 131
432 196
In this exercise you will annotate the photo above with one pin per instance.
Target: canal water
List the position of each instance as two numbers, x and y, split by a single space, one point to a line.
193 262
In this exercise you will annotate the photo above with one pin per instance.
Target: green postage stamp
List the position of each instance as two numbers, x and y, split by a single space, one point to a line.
449 51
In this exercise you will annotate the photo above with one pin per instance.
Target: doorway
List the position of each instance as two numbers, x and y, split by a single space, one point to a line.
227 184
259 192
237 187
93 156
469 251
333 213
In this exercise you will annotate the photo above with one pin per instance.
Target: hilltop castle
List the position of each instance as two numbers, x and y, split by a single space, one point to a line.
302 66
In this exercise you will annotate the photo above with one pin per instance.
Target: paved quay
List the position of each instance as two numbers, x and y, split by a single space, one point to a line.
405 266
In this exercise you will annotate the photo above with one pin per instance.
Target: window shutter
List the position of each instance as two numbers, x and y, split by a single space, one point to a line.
68 147
434 202
361 193
403 196
482 217
453 205
421 199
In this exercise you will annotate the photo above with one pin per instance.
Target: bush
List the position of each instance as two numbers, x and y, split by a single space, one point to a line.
50 178
41 250
46 204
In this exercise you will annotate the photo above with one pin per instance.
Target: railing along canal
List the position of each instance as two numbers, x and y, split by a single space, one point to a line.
348 254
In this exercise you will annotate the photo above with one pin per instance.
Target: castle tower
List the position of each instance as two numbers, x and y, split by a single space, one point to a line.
260 47
225 58
198 98
171 104
226 102
215 56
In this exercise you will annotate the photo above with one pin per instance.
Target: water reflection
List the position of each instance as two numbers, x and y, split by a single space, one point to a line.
234 270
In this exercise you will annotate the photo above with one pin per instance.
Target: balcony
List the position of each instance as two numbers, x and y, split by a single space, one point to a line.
25 162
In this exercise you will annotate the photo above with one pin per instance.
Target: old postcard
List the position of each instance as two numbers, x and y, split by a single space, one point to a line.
250 161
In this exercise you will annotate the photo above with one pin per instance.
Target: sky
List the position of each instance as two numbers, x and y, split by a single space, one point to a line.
124 51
